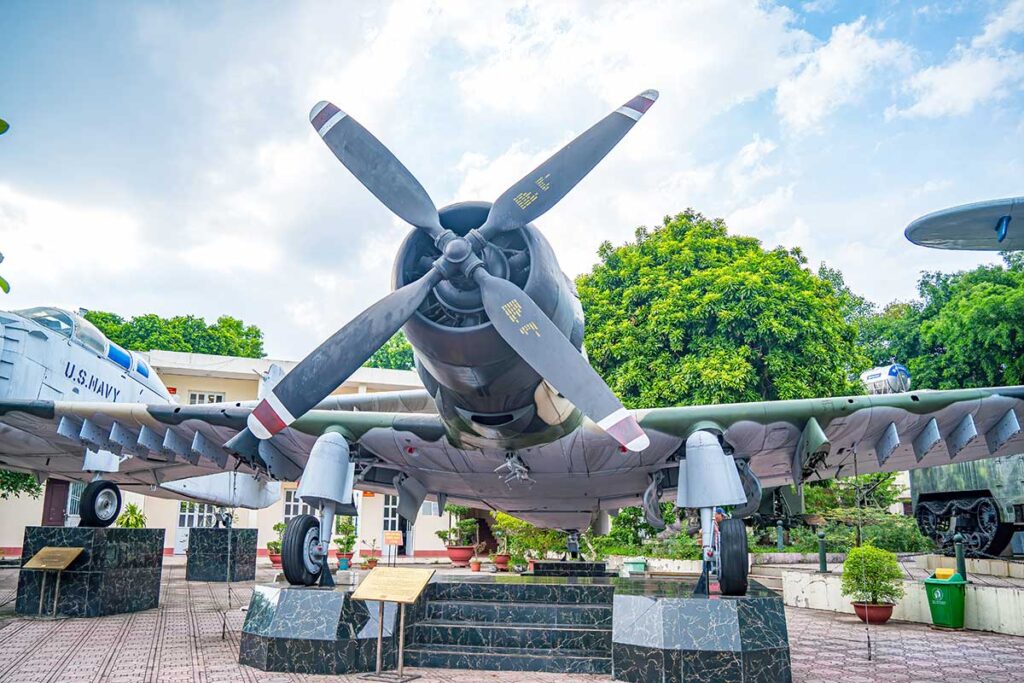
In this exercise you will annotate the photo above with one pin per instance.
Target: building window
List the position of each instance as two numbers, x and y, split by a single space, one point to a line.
390 513
75 498
196 515
429 508
198 397
293 506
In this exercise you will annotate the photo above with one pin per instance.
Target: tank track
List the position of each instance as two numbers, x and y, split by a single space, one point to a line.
977 520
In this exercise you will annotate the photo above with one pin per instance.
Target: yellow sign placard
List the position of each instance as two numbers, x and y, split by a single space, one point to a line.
393 538
52 557
393 584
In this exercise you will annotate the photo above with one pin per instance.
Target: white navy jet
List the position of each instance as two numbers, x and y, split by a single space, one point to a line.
52 355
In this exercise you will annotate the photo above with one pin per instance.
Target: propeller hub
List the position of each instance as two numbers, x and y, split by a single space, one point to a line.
457 250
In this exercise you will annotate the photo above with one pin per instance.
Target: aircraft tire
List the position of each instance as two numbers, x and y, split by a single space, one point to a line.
100 504
300 567
732 559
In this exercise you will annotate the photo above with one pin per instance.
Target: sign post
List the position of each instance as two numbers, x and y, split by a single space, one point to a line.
391 584
393 540
52 559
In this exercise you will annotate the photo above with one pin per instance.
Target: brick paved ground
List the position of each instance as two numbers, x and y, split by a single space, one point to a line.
181 641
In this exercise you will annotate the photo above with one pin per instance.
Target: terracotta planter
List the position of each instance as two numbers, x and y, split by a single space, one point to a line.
529 565
347 556
474 566
460 554
873 614
501 562
275 560
371 562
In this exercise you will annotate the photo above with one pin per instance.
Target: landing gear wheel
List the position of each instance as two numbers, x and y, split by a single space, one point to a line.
732 557
298 557
100 504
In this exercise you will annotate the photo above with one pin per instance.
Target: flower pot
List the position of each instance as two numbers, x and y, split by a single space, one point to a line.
371 562
344 563
501 561
275 559
460 554
474 566
529 564
873 614
347 556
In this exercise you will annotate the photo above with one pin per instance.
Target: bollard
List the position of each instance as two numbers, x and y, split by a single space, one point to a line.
961 563
822 565
778 537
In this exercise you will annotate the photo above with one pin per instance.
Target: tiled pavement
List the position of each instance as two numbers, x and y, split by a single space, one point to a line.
182 641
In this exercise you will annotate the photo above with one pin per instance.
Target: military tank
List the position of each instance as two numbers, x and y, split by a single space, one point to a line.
982 500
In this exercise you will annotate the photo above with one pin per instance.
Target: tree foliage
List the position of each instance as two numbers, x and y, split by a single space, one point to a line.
396 354
18 483
227 337
967 330
688 314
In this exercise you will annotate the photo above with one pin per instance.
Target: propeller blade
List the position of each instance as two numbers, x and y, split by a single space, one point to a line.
526 328
331 363
375 167
545 186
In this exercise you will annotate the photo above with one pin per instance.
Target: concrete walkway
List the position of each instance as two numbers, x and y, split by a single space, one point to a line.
182 641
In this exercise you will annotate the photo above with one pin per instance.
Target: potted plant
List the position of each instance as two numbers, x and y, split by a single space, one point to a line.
475 563
459 538
274 547
132 517
873 579
371 559
345 541
503 527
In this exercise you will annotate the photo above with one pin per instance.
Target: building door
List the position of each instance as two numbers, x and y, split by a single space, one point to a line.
55 502
395 522
190 516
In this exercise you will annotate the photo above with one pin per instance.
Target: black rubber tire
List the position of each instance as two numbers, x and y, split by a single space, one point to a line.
93 496
733 561
294 550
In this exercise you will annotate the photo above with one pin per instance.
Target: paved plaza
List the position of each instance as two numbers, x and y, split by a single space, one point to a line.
193 636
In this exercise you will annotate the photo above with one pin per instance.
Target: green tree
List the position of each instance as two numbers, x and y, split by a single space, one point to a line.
967 330
688 314
396 354
17 483
227 337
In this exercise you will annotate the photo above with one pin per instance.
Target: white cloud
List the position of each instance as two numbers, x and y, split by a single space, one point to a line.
1001 25
957 87
837 73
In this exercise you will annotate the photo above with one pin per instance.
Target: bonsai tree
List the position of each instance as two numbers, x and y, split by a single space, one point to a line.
346 538
872 576
463 532
274 547
132 517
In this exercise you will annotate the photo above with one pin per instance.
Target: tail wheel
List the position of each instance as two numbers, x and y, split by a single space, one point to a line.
298 551
100 504
733 562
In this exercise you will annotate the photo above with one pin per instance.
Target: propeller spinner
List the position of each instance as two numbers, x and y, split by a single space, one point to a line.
515 316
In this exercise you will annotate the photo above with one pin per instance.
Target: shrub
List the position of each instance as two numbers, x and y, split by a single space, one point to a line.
872 575
132 517
346 539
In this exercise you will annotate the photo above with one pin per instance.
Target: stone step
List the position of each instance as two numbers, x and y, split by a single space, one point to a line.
520 612
527 636
490 658
770 582
574 594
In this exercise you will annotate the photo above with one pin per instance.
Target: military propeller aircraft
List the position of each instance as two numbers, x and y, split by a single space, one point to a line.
513 417
49 354
982 226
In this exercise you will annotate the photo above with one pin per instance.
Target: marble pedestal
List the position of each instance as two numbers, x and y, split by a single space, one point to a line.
221 555
315 630
667 636
118 571
570 568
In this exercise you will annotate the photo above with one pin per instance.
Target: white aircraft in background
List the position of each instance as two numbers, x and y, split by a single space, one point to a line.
49 354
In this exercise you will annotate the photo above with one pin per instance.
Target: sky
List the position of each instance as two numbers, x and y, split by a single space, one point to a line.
160 157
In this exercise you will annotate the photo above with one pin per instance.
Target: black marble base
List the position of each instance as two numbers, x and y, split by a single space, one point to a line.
664 635
118 571
562 568
221 555
315 631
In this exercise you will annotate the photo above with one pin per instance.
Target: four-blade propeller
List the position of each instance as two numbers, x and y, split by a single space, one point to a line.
515 316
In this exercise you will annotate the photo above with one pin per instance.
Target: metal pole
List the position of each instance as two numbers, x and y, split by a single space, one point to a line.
779 545
822 564
380 639
961 563
56 594
401 639
42 592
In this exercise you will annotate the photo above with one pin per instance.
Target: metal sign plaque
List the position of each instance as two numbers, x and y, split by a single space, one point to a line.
53 558
393 538
393 584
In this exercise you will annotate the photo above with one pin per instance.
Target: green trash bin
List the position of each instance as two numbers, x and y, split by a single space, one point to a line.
946 599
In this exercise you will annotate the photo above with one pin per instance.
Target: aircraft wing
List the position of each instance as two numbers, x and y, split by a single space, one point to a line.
822 438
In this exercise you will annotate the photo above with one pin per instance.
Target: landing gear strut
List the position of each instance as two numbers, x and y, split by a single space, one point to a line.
100 504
